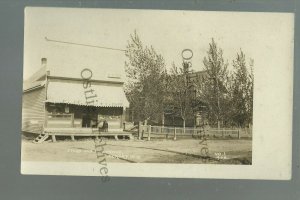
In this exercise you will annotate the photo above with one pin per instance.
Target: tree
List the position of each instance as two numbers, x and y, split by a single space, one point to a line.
214 85
250 93
181 97
146 72
242 91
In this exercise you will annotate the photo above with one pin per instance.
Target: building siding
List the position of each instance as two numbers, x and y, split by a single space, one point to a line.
33 110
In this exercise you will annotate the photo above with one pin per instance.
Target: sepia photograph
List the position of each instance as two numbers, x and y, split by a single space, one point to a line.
155 90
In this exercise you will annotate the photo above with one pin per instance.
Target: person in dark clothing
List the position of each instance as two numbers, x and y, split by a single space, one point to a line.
105 126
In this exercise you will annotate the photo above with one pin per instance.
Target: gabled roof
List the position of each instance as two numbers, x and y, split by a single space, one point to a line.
36 80
197 74
33 85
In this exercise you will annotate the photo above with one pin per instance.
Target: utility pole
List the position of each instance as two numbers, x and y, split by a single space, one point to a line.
187 55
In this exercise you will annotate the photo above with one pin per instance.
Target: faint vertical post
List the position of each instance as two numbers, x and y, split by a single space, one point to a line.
72 120
167 134
53 138
174 133
223 133
149 132
140 130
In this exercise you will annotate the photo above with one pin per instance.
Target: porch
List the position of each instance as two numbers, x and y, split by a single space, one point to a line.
72 132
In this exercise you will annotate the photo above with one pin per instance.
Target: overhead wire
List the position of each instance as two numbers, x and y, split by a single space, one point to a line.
86 45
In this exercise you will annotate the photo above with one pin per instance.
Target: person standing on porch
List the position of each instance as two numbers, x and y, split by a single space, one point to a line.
100 126
105 126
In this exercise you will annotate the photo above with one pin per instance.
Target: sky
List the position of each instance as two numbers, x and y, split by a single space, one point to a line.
261 36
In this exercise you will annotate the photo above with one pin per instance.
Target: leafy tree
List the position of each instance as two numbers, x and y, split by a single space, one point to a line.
242 91
214 85
250 93
146 72
181 97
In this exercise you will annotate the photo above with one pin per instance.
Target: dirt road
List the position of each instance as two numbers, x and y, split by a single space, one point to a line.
159 151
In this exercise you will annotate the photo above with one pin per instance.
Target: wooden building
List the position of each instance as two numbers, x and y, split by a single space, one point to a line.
172 114
72 100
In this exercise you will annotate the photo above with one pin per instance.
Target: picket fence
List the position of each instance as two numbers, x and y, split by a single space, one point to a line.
172 132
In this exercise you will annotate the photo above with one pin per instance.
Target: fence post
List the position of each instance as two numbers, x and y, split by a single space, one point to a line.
140 130
149 132
167 133
222 133
239 134
174 133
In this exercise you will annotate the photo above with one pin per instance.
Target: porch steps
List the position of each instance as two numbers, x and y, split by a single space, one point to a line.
40 138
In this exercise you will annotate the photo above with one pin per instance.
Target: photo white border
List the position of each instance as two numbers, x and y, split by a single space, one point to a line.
272 134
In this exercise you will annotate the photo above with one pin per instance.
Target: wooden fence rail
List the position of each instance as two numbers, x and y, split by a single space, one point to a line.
190 131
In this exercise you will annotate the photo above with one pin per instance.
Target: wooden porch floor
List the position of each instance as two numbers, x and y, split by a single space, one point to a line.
86 132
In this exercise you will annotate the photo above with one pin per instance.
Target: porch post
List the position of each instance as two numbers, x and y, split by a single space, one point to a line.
72 118
53 138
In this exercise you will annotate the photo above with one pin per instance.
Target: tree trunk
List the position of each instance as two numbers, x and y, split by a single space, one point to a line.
183 126
132 114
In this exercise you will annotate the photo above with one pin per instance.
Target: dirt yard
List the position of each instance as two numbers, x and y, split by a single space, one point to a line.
141 151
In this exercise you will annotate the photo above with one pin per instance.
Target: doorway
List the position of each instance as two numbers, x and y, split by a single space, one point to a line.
86 121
